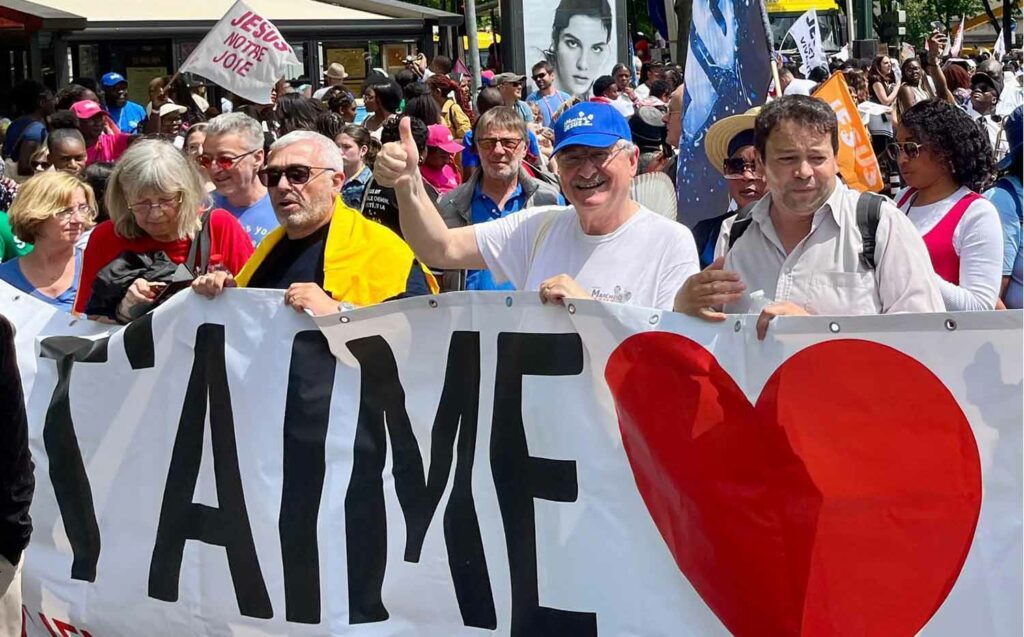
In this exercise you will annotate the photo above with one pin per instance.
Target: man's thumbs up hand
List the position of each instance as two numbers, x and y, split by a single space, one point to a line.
398 162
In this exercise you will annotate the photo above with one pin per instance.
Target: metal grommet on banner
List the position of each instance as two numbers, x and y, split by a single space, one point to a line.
17 296
343 319
833 327
737 326
951 325
654 319
432 302
571 308
508 301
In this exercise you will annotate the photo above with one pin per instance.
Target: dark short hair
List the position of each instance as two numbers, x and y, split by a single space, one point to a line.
389 132
568 9
388 95
602 84
543 64
487 99
807 111
660 88
442 62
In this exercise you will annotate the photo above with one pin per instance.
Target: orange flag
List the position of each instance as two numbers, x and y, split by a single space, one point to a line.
857 162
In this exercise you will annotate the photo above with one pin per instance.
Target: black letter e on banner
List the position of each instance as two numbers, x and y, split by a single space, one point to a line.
520 477
180 518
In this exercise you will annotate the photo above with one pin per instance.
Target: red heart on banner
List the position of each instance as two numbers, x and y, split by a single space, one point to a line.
844 502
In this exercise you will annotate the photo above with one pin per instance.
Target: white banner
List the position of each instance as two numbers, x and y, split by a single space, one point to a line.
244 53
807 35
477 462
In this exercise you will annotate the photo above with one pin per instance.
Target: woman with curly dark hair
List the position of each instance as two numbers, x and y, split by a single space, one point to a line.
946 160
294 112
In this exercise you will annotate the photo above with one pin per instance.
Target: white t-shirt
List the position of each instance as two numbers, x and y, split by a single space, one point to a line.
977 240
644 262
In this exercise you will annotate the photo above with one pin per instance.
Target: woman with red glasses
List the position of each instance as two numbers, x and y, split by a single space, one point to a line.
160 218
946 160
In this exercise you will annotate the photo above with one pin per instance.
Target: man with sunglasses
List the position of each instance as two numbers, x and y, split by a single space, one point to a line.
232 156
604 246
547 97
985 91
501 187
510 85
801 250
325 255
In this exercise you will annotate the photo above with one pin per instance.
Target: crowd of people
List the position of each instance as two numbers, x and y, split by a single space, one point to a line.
105 202
409 184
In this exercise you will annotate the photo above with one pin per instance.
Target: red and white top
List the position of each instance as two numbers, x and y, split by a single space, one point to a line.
965 242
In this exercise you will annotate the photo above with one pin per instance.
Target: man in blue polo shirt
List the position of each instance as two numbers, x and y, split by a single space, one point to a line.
129 116
500 188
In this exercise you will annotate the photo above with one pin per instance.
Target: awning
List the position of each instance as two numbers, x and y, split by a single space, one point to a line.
132 18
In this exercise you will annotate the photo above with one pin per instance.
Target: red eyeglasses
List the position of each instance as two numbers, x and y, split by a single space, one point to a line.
224 162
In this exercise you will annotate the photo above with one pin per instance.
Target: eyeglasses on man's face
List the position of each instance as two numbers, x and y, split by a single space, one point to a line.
598 158
223 162
508 144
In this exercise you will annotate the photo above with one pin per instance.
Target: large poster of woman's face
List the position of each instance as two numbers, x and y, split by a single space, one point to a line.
578 38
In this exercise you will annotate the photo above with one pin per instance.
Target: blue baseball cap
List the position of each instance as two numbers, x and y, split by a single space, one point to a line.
590 124
112 79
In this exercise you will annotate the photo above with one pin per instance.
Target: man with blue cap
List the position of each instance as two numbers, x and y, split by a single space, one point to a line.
603 246
129 116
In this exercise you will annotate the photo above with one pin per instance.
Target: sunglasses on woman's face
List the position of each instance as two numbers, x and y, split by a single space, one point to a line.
911 149
296 174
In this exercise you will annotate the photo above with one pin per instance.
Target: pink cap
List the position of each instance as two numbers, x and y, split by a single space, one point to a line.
441 137
86 109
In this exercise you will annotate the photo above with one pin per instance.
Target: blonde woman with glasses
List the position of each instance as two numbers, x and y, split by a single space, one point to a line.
52 211
158 208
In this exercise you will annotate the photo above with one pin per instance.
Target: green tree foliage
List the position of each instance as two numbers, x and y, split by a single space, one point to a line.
921 14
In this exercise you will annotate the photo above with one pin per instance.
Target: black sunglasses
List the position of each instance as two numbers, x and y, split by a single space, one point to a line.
738 166
296 174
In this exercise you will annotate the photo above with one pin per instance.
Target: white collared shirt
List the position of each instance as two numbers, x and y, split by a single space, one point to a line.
995 131
823 273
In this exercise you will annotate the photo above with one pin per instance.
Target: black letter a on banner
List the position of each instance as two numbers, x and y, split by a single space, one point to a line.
180 518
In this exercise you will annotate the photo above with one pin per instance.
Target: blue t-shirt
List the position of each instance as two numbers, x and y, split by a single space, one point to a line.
21 130
128 117
484 209
258 219
1009 207
548 104
10 272
470 158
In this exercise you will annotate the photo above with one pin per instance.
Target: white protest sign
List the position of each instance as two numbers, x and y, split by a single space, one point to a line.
244 53
478 463
807 35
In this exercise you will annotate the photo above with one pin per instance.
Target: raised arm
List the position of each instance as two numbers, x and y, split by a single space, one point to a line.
397 166
934 46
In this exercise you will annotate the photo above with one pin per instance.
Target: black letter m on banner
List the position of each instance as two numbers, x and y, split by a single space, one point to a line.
382 406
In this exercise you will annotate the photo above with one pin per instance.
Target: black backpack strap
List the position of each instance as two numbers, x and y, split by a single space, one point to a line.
869 211
743 220
200 248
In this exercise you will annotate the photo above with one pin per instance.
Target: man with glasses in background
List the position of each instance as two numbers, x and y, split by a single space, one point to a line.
232 155
547 97
501 187
326 256
604 246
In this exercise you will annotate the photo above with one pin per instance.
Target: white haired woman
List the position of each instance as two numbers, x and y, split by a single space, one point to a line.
52 211
158 207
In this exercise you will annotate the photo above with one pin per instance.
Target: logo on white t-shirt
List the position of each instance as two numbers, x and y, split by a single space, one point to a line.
617 295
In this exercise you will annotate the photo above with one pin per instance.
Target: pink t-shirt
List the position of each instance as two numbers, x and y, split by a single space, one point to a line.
444 180
108 148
